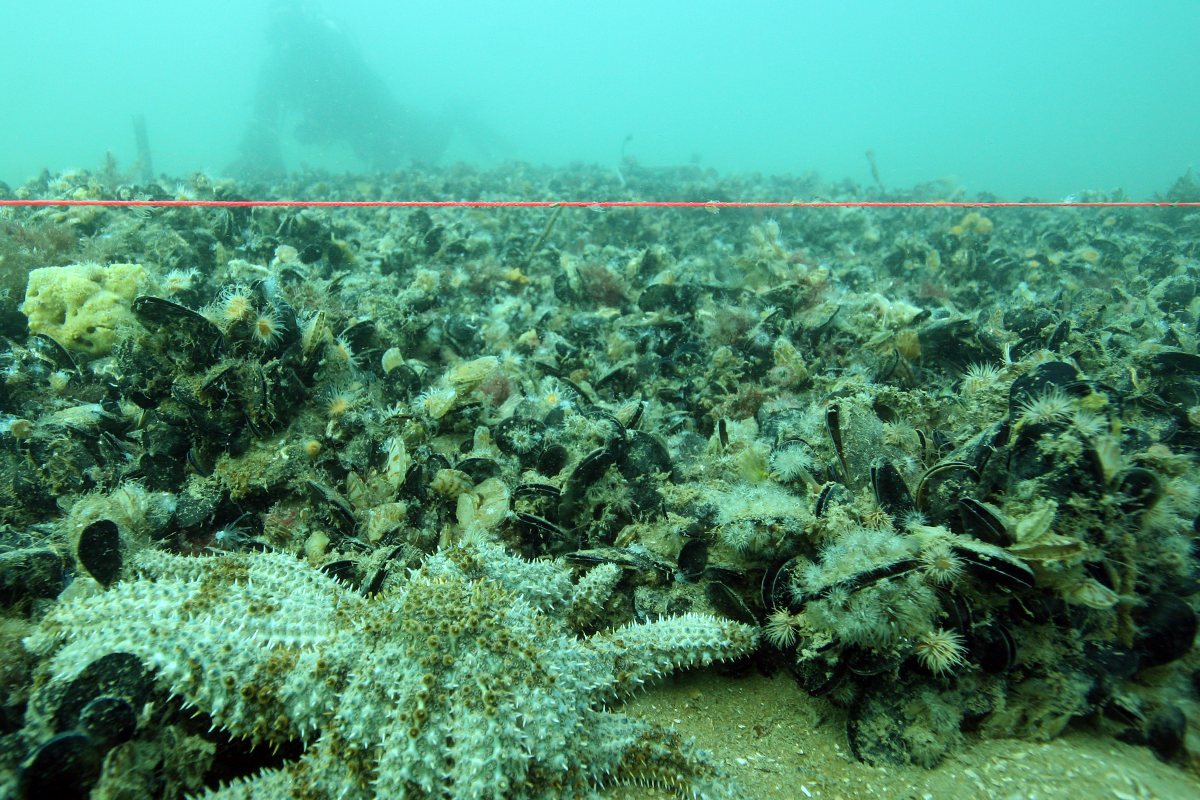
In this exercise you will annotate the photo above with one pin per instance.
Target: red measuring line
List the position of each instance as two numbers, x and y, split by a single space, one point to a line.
573 204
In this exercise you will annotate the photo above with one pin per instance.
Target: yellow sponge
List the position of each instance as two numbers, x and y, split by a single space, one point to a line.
83 306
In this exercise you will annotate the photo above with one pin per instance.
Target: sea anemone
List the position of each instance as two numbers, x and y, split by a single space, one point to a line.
782 628
267 327
1049 405
940 650
941 564
235 303
979 377
340 400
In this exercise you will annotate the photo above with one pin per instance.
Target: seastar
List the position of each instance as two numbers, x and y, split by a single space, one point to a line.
465 681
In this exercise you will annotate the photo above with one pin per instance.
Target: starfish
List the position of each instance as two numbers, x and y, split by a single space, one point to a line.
466 681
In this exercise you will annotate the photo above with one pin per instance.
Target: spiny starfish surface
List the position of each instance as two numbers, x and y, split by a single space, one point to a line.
464 682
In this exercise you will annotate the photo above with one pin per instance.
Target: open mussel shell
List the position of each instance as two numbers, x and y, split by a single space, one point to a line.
341 512
693 559
832 494
66 766
940 489
983 522
1166 629
993 648
779 585
99 551
552 460
478 469
1045 377
891 492
729 603
51 351
994 566
1141 487
636 561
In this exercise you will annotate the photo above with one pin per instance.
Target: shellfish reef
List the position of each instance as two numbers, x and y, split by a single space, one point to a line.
355 503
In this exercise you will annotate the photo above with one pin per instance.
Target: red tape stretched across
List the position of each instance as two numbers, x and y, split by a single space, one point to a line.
595 205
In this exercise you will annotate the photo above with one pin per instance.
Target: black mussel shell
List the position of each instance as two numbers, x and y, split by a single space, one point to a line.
1176 363
360 336
1142 488
463 331
65 768
891 492
539 532
342 571
100 551
553 460
778 585
1031 385
50 350
589 470
729 603
158 312
1104 659
343 514
519 436
108 721
993 648
668 297
693 559
534 491
820 676
30 572
112 675
643 454
831 494
869 662
995 567
983 522
1166 733
1166 629
635 560
479 469
404 380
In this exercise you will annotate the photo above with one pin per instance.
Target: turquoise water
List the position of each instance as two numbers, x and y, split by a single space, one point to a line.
1017 98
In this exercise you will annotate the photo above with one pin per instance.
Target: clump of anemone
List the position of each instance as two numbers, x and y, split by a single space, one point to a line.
790 464
940 650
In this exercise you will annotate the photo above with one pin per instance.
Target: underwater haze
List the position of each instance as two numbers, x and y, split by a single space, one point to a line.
1016 98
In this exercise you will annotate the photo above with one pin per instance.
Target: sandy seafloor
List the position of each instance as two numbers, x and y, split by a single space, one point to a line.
780 743
791 381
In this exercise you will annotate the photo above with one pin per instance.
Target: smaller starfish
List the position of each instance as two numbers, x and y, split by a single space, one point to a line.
465 682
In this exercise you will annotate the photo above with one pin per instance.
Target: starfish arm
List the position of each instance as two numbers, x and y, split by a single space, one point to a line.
239 636
626 752
648 650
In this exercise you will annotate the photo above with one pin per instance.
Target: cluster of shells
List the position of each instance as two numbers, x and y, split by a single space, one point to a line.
953 450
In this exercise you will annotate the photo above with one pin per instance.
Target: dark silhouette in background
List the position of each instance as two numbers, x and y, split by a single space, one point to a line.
316 74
